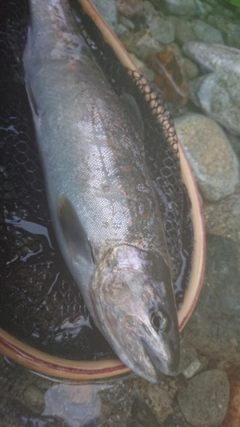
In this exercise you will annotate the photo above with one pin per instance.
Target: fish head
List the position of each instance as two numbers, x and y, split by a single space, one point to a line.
135 309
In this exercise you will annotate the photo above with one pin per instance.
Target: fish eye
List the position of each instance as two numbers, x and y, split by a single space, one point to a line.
159 321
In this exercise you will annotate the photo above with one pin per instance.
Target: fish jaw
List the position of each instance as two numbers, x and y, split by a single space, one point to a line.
134 307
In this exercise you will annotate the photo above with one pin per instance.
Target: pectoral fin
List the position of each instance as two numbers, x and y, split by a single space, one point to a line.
74 234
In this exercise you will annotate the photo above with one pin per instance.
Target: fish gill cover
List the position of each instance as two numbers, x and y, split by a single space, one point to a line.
39 302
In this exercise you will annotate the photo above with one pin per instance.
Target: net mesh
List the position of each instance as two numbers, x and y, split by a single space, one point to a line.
39 302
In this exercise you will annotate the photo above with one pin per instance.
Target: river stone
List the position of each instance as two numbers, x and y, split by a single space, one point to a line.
219 97
184 31
108 9
205 402
223 218
213 56
211 157
214 326
235 143
189 362
141 44
162 30
129 8
183 7
206 33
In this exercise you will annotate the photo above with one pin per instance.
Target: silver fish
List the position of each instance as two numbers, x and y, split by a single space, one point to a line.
102 202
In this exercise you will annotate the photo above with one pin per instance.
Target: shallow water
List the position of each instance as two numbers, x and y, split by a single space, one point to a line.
30 400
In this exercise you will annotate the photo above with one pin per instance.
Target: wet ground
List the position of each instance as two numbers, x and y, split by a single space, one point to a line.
206 392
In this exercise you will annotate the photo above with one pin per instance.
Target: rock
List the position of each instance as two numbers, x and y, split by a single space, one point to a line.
183 7
230 30
189 362
107 8
162 30
169 76
147 12
206 33
214 326
205 402
34 398
176 419
155 399
75 404
137 61
211 157
137 402
184 31
235 143
129 8
121 31
218 95
141 44
127 23
213 56
190 70
223 218
149 74
233 35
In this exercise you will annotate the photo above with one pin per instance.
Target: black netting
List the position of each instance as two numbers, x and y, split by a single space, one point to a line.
39 302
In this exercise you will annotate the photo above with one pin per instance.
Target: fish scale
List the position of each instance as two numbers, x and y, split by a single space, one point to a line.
63 303
66 96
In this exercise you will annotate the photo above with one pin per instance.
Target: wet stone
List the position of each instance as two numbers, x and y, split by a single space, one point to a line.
213 57
204 403
218 95
34 398
141 44
162 30
184 31
183 7
206 33
213 161
189 362
190 70
108 10
129 8
214 326
235 143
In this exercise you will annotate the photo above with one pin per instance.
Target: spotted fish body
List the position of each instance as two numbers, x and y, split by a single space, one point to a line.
103 205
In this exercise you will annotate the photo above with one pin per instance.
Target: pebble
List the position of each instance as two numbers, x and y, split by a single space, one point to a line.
184 31
108 9
204 403
77 404
190 70
129 8
34 398
213 56
218 95
235 143
230 30
183 7
223 218
206 33
141 44
214 326
211 157
162 30
189 362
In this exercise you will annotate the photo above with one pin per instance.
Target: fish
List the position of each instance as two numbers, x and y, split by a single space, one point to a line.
103 205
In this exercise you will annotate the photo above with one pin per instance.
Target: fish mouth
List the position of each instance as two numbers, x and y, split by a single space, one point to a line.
161 365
